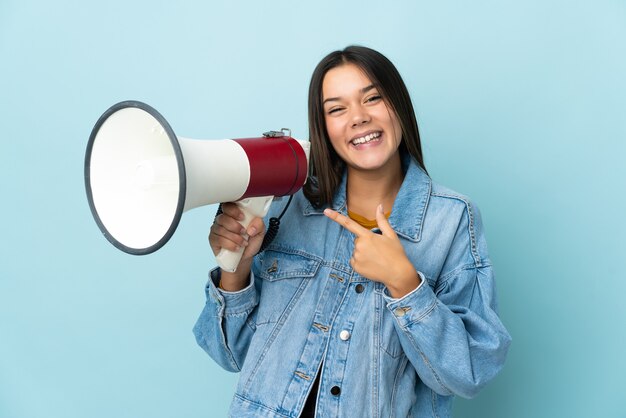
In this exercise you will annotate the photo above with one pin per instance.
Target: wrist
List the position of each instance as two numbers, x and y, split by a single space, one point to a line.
404 283
237 280
233 284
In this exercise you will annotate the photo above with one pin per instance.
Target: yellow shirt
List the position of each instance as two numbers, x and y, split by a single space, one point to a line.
364 222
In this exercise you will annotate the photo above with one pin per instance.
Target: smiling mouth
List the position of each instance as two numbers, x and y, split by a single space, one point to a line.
367 138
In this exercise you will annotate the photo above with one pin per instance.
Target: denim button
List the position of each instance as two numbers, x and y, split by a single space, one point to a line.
400 311
335 390
344 335
359 288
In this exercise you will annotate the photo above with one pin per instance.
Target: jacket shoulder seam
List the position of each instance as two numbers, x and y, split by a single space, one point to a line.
469 208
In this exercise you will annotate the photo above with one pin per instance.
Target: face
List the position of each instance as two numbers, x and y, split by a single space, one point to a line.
362 129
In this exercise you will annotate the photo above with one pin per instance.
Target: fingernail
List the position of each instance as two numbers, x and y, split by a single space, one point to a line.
240 216
252 231
380 208
327 212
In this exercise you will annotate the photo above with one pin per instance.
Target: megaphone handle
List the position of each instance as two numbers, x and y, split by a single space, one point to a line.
251 207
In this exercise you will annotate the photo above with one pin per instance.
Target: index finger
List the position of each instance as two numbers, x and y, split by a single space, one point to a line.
346 222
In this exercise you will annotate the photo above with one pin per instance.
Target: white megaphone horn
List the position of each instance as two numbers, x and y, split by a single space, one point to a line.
140 177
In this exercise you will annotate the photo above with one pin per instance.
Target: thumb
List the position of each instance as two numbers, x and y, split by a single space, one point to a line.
383 223
256 234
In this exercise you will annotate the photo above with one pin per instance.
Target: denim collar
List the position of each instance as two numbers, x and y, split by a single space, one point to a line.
407 214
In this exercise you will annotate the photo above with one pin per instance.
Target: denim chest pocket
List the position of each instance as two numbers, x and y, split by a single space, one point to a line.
282 265
284 278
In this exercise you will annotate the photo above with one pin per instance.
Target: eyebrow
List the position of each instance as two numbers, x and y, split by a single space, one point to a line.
362 91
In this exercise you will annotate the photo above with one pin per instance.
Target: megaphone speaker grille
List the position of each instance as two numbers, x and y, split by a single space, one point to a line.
135 177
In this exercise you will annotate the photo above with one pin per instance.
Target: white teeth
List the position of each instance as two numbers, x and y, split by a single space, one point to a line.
366 138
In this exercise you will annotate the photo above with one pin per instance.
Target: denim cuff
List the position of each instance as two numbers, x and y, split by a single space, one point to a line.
231 303
413 306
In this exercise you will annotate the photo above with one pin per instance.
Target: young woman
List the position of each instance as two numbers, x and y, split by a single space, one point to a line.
377 297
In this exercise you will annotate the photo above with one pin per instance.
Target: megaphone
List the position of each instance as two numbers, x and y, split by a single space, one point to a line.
140 177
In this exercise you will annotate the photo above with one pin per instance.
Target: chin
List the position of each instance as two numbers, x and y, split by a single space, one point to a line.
375 163
367 166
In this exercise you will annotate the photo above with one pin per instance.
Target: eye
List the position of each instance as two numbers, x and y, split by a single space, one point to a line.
334 110
373 99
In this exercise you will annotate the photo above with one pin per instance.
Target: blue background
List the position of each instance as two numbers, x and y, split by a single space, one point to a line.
521 105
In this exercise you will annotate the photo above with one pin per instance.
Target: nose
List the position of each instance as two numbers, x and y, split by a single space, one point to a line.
359 116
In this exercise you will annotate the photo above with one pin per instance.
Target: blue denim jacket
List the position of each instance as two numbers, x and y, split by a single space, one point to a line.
307 312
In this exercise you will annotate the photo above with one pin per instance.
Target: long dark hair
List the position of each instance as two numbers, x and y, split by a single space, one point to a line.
326 167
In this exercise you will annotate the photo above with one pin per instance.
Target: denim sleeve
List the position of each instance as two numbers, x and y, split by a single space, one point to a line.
453 335
225 326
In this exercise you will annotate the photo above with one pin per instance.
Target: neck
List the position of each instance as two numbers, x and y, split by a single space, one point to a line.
366 189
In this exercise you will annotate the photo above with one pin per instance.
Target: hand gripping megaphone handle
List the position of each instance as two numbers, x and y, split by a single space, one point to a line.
251 207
